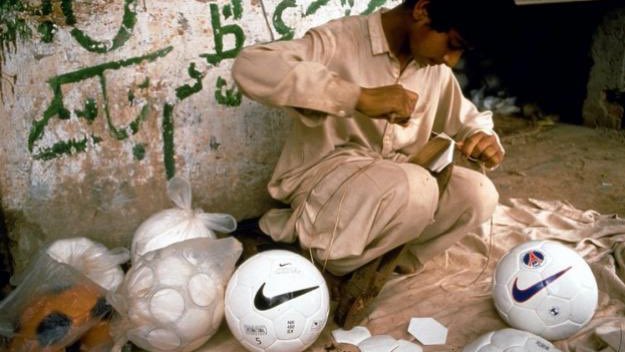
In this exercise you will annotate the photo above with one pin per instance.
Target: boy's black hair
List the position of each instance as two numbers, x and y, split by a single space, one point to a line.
477 21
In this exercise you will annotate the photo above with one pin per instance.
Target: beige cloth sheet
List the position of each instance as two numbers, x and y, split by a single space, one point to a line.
454 287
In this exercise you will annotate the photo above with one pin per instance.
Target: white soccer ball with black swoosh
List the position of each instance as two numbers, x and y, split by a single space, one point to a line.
510 340
277 301
546 288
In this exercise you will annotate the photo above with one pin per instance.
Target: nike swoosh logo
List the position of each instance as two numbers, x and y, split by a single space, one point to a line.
262 302
285 264
527 293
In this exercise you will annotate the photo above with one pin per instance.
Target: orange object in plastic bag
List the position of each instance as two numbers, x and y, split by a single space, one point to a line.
52 308
98 338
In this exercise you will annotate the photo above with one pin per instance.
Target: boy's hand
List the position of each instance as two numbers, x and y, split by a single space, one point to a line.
483 147
393 103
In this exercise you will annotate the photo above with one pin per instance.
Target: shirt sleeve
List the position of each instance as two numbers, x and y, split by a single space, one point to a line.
294 74
462 116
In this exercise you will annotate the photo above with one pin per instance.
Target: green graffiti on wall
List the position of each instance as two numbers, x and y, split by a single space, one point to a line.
224 94
286 31
182 93
71 146
232 97
138 151
235 9
68 11
57 108
187 90
349 4
46 29
219 32
315 6
168 140
90 112
13 28
129 19
373 5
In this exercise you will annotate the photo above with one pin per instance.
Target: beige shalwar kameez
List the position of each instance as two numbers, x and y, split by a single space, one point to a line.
353 196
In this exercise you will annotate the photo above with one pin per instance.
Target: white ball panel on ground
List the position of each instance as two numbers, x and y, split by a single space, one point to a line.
428 331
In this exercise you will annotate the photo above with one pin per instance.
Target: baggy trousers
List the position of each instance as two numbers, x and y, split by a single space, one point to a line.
352 209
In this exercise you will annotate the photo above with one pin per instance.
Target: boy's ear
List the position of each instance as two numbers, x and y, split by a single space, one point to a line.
419 11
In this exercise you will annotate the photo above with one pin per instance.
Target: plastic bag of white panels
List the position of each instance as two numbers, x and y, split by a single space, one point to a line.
178 224
172 299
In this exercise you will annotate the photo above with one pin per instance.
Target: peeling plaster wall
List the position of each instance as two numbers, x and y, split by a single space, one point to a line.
605 101
111 98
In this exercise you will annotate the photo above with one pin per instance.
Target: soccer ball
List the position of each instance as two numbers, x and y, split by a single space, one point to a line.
173 298
545 288
510 340
277 301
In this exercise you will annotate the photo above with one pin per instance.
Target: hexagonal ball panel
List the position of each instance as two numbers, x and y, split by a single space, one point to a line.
428 331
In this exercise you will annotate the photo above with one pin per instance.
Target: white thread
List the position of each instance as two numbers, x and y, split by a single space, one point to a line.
338 212
488 251
336 224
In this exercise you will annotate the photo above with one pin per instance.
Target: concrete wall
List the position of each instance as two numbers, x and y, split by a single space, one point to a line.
109 99
605 101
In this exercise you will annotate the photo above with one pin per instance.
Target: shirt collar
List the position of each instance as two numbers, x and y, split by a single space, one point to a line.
379 45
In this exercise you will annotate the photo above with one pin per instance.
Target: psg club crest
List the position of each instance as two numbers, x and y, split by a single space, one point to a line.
533 259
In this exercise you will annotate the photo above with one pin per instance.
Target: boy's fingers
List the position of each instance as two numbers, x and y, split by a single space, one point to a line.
483 145
492 156
470 143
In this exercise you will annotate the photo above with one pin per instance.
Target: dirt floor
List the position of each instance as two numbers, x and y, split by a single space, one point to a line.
554 161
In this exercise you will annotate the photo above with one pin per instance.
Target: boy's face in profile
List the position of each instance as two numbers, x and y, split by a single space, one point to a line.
430 47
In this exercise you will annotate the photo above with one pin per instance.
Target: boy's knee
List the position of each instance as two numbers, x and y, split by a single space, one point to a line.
481 196
421 192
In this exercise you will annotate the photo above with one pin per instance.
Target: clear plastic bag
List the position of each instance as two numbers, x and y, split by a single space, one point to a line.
178 224
172 299
53 306
92 259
